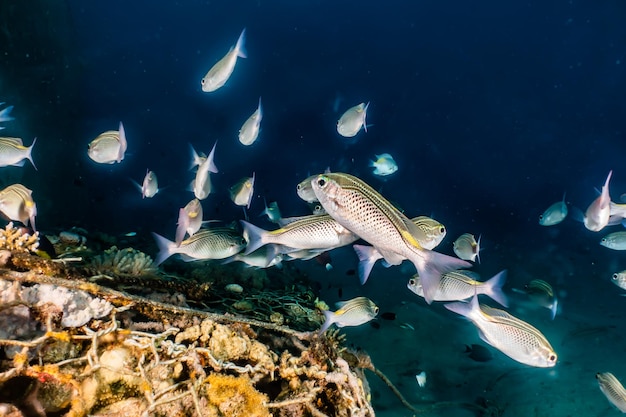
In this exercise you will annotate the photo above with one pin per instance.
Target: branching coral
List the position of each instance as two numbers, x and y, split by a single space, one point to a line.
15 239
126 261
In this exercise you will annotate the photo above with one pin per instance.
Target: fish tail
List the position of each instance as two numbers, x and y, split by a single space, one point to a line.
29 152
165 248
464 309
253 235
212 167
240 47
330 319
367 258
431 266
493 288
554 308
123 143
181 228
364 116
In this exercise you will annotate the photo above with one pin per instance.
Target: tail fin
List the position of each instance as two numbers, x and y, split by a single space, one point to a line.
165 248
240 47
493 288
254 236
29 153
368 255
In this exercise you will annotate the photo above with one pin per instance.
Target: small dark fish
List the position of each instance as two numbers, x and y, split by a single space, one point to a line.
375 324
388 316
350 272
479 353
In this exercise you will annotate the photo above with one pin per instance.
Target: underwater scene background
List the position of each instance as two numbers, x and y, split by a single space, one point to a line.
492 111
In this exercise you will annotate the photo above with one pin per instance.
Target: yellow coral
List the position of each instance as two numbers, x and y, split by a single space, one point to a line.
16 240
235 396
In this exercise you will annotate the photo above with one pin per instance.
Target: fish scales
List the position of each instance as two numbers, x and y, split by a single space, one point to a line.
210 243
612 389
309 232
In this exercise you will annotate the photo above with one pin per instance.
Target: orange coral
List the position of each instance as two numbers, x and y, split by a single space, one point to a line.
236 396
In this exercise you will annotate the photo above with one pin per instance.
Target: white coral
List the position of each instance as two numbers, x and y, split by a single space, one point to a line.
127 261
16 240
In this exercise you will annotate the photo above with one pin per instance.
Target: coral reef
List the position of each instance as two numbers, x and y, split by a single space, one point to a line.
17 239
126 261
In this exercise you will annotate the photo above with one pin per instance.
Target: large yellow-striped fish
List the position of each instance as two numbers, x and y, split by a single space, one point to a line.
14 153
360 209
515 338
612 389
16 203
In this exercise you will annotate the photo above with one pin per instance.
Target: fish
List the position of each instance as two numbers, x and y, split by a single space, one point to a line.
216 243
351 122
242 192
14 153
461 285
150 185
360 209
515 338
467 248
272 212
196 158
421 379
317 232
305 190
612 389
263 257
189 220
619 279
434 232
201 185
16 203
554 214
384 165
353 312
109 147
478 353
217 76
5 114
541 293
249 131
598 213
615 241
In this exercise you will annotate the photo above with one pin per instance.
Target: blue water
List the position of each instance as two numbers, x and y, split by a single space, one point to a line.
491 109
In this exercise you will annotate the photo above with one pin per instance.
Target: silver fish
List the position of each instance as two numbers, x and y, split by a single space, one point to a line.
307 232
434 232
189 220
109 147
217 76
201 185
384 165
360 209
515 338
612 389
150 185
272 212
353 312
619 279
554 214
461 285
542 294
249 131
242 192
5 114
263 257
16 202
14 153
615 241
467 248
599 211
351 122
217 243
305 190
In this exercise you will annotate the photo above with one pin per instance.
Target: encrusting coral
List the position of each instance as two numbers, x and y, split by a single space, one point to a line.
126 261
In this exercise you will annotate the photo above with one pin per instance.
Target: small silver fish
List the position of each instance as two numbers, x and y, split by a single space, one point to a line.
263 257
14 153
217 76
515 338
384 165
554 214
109 147
619 279
353 312
615 241
217 243
249 131
242 192
351 122
467 248
201 185
5 114
542 294
461 285
305 191
16 202
150 185
612 389
272 212
189 220
599 211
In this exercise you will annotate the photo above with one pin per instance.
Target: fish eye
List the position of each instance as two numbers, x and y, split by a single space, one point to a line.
552 358
442 230
376 310
541 217
203 81
321 182
615 276
411 281
299 186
